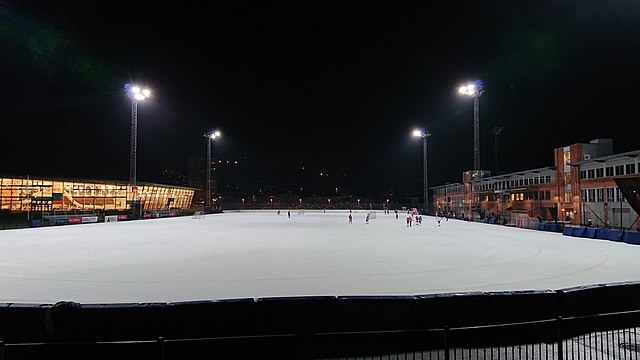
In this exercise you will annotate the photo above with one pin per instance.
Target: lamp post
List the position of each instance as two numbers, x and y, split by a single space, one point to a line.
136 94
209 136
497 130
474 90
424 135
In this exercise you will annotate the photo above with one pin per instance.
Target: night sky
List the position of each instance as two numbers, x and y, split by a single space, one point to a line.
337 86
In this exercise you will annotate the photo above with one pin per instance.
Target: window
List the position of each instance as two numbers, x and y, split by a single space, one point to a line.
547 179
599 172
591 195
610 194
591 174
619 170
526 181
631 168
619 196
567 197
609 170
547 195
599 195
583 195
583 174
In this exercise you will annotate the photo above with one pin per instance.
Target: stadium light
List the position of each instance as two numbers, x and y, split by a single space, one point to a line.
136 94
474 90
420 133
210 137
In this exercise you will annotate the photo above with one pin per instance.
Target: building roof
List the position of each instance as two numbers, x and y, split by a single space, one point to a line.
65 179
522 172
634 153
446 185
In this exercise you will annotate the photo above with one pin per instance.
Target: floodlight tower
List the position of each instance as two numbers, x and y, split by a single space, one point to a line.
136 94
210 137
474 90
424 135
497 130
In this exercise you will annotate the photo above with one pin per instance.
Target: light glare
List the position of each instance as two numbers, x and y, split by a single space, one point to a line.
137 93
474 89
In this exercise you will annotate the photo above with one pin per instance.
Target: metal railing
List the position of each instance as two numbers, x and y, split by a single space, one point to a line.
593 337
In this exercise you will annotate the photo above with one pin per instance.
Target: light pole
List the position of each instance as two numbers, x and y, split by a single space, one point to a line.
474 90
136 94
424 135
497 130
209 136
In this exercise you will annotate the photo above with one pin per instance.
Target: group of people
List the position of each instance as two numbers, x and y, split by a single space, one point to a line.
413 216
366 218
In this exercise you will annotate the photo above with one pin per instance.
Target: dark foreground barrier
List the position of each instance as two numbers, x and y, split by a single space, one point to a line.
438 326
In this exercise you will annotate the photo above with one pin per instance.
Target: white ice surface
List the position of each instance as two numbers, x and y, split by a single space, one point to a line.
262 254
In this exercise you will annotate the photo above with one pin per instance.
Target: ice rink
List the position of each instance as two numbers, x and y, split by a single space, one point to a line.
262 254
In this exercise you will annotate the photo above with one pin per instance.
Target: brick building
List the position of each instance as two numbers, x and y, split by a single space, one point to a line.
580 188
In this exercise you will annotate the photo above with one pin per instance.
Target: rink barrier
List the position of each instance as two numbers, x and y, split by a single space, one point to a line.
353 316
629 237
549 226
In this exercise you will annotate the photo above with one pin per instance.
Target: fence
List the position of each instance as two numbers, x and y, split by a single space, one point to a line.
501 341
593 322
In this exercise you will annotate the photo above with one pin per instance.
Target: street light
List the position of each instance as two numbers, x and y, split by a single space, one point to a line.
136 94
210 136
474 90
424 135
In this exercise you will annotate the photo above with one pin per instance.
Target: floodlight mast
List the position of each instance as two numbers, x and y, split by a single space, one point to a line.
475 90
136 94
209 136
424 135
497 130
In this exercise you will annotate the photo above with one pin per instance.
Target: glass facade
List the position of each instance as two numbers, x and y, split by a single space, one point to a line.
37 194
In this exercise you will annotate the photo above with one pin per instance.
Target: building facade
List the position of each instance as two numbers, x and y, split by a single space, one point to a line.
46 194
580 188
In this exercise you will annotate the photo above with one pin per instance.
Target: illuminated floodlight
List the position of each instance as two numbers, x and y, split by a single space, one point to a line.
214 135
137 93
419 133
473 89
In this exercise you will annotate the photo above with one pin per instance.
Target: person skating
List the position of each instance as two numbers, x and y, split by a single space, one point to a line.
366 218
350 219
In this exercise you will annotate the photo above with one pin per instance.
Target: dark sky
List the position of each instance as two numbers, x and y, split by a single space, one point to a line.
336 85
